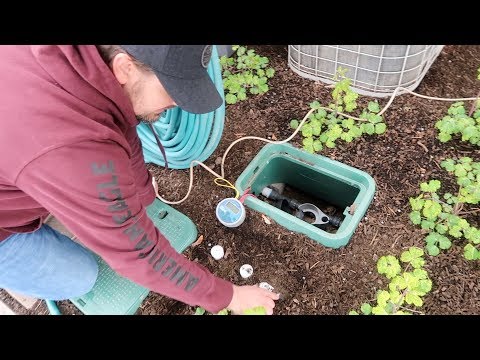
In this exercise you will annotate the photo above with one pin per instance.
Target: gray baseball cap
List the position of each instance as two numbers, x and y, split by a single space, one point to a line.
182 70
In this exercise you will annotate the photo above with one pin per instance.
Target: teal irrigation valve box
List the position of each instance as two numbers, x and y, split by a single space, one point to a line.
341 185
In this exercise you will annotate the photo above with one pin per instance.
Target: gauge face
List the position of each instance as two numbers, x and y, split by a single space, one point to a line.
231 206
230 210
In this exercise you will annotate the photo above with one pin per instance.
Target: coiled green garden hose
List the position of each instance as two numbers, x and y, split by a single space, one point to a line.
186 136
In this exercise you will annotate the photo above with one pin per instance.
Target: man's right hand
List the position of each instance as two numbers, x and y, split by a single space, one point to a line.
247 297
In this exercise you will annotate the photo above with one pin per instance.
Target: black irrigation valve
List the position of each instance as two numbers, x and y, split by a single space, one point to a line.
321 219
286 204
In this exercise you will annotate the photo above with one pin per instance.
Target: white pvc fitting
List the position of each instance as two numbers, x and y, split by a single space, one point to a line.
246 271
217 252
266 192
266 286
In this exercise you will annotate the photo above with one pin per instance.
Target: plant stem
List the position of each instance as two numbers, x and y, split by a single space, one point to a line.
469 212
414 311
336 106
440 221
474 105
342 114
404 293
458 206
438 201
397 305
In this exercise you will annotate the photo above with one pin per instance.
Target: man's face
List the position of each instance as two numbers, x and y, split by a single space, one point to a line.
149 98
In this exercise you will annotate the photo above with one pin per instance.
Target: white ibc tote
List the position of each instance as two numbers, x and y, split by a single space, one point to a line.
375 70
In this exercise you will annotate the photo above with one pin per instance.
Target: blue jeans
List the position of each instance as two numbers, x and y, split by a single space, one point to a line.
46 264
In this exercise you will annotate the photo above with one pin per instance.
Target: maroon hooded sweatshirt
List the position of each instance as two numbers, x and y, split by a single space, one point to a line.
69 147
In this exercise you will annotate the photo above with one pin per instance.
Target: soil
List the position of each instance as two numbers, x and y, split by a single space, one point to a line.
314 279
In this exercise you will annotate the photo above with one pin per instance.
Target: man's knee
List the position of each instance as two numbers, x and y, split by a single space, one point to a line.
46 264
91 274
84 275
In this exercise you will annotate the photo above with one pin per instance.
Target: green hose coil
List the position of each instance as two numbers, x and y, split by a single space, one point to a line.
186 136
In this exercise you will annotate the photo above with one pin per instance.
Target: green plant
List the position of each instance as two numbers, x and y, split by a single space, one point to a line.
199 311
442 216
458 122
259 310
244 72
405 287
324 129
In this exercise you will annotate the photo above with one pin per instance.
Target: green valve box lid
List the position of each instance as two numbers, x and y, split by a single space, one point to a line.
113 294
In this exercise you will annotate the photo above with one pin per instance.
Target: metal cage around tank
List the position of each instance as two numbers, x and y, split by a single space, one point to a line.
375 70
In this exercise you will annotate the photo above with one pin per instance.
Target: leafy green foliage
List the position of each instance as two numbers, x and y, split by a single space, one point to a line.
457 122
406 288
244 72
441 216
366 309
259 310
414 256
467 173
389 266
324 129
199 311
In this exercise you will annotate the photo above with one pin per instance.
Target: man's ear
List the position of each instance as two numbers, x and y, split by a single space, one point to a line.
122 67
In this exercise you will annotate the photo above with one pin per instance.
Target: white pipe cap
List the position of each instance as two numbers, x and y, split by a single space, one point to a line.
217 252
246 271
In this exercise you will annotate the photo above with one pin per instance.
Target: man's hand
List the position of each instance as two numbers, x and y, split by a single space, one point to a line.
248 296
